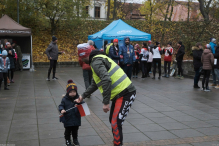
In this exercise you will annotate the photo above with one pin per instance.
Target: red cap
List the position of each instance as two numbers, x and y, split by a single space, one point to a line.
115 41
149 41
84 50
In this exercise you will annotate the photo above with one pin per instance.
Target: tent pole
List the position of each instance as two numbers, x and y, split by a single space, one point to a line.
32 66
103 45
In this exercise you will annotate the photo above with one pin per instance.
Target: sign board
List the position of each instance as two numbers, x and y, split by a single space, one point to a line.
26 61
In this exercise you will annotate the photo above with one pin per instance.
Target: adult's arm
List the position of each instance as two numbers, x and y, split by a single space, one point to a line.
121 53
212 59
101 71
80 62
48 50
92 88
216 55
133 55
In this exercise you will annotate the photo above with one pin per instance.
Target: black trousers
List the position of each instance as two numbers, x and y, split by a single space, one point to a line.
73 130
180 70
12 74
52 68
3 76
135 68
155 62
167 63
205 79
149 64
118 112
144 68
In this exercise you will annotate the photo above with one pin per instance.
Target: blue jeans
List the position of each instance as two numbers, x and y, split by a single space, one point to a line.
213 76
197 77
216 71
128 70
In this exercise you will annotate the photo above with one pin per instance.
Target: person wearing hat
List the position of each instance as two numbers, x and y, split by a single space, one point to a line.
157 52
168 51
87 73
114 51
52 52
11 55
4 67
179 58
208 62
113 84
71 118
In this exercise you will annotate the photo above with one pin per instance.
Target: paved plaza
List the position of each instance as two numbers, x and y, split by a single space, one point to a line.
165 112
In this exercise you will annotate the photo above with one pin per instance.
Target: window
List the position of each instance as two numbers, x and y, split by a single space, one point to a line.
97 12
87 9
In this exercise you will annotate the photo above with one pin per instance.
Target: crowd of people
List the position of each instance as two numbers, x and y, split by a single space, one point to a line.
10 61
206 62
133 59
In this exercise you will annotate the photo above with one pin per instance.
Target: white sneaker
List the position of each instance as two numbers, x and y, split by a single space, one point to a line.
216 87
48 79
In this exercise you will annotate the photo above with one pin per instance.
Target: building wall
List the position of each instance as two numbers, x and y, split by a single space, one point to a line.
103 9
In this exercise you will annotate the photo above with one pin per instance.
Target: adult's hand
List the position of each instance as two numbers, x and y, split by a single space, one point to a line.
106 108
121 56
50 58
79 100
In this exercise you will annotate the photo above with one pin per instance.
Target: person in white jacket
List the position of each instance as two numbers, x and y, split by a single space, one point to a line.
144 58
150 59
157 52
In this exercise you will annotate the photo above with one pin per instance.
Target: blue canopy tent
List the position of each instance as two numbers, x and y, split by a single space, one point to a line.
118 29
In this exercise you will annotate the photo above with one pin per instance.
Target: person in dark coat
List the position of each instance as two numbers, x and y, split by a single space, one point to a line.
52 52
114 51
179 58
71 118
197 54
11 56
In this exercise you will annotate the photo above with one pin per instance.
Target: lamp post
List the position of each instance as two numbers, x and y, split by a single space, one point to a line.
17 11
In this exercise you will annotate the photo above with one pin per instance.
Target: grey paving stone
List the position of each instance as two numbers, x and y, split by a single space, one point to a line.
212 143
25 143
162 120
173 126
139 121
87 132
24 121
209 130
51 134
153 115
160 135
136 138
22 128
3 136
186 133
197 124
149 127
50 127
129 129
184 118
33 135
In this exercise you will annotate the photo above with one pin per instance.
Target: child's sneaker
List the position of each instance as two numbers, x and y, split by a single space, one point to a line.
55 78
207 89
181 77
216 87
177 77
203 89
48 79
75 142
133 76
68 143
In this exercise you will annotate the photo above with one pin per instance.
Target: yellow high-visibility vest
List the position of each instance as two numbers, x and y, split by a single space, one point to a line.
119 80
108 48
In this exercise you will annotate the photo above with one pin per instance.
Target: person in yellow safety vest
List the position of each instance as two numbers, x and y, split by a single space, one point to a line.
108 48
114 85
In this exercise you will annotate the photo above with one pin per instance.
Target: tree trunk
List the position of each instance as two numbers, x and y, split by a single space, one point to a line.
151 10
108 11
53 26
204 10
171 13
188 10
114 10
165 19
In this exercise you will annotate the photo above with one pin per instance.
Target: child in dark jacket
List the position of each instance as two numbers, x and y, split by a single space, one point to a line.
136 63
71 118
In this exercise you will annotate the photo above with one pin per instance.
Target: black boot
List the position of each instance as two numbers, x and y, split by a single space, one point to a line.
196 86
68 143
76 143
6 88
